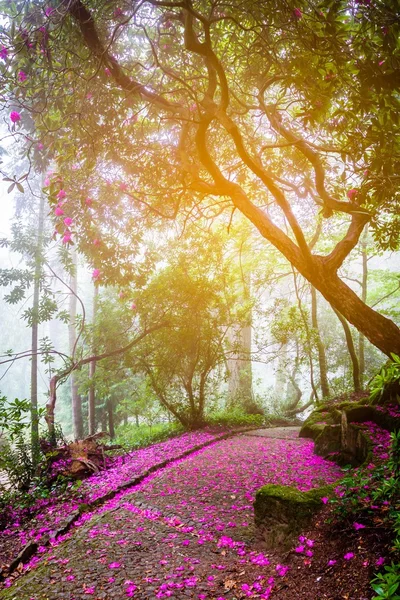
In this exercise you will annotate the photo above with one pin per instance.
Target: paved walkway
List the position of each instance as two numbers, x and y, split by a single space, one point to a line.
282 433
184 532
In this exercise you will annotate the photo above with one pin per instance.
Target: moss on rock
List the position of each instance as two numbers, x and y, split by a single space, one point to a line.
281 512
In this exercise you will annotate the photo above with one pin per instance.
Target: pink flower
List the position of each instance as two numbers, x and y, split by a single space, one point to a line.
299 549
348 556
309 553
58 211
3 52
123 187
331 563
130 590
281 570
15 116
351 194
22 76
68 221
379 562
297 14
40 146
95 274
67 239
46 182
90 590
358 526
61 194
325 500
310 543
89 96
133 307
114 565
96 242
48 11
89 201
121 295
70 577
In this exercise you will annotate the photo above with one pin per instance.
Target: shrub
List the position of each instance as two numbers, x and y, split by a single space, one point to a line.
235 418
386 585
130 436
385 386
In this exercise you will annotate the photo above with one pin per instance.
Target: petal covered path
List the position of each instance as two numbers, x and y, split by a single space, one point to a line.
186 531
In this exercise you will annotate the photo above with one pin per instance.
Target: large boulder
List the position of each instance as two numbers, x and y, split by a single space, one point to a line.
282 512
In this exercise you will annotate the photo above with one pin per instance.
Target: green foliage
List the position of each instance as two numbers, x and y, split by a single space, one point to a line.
386 383
16 461
389 489
132 437
13 416
235 418
386 585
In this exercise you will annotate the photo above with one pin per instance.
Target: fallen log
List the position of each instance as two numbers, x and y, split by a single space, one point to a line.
78 459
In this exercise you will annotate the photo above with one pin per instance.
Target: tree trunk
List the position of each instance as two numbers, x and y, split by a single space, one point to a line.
92 371
77 420
380 331
110 413
321 271
308 335
364 290
320 346
35 335
240 381
352 351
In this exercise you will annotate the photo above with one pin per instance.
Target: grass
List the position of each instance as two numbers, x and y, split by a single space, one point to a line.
132 437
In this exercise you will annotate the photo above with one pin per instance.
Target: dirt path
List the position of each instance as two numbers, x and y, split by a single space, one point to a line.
184 532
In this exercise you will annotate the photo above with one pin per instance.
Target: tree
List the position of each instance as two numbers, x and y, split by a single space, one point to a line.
210 137
183 361
77 418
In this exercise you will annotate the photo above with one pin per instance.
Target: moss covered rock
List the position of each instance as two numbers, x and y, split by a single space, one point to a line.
329 440
282 512
315 423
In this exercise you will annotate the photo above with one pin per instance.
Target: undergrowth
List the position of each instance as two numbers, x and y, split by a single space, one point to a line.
371 494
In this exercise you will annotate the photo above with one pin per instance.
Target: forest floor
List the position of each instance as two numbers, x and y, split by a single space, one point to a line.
186 531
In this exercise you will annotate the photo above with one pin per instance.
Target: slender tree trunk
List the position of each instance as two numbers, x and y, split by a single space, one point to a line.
307 330
281 379
352 351
35 335
77 419
92 371
110 412
240 377
323 371
364 290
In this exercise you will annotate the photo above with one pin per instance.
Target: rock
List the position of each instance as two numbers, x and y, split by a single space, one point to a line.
24 556
315 423
282 512
328 441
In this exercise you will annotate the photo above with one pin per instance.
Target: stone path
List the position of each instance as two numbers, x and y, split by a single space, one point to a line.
282 433
184 532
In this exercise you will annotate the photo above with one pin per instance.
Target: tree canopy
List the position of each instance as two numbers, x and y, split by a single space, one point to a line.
159 110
